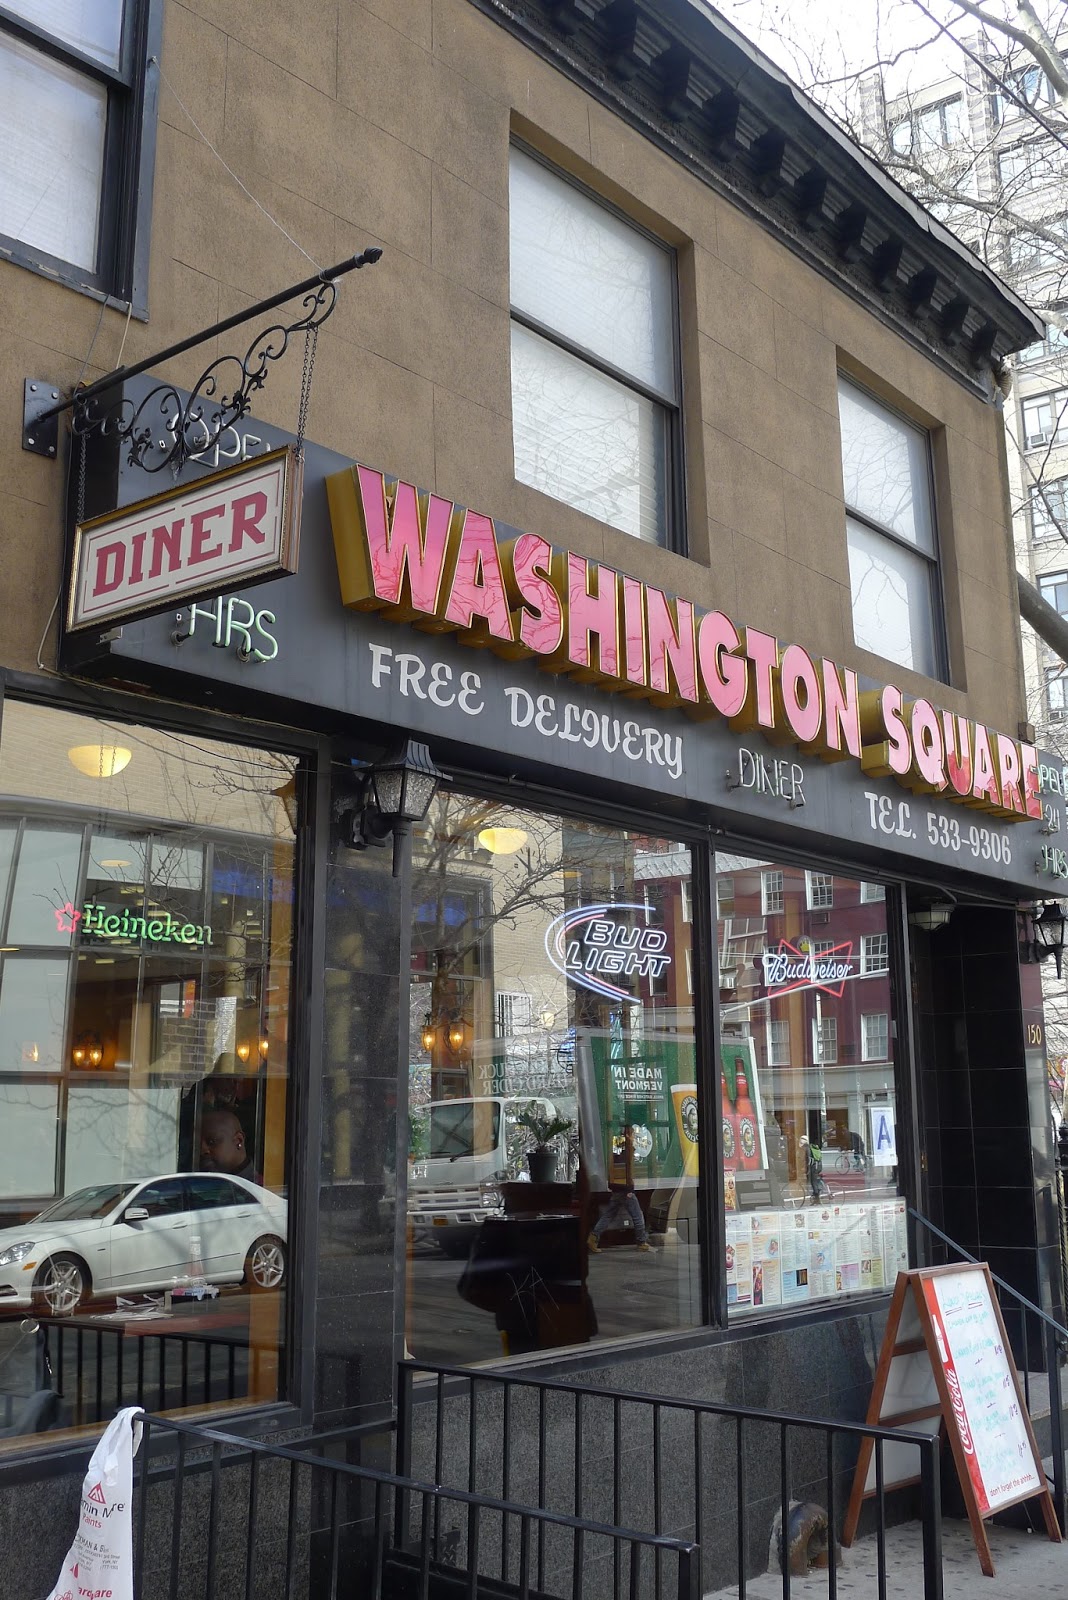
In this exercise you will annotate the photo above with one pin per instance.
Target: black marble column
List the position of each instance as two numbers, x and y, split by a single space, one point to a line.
360 1268
987 1131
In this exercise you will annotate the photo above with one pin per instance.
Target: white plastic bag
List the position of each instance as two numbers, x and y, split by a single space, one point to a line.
99 1564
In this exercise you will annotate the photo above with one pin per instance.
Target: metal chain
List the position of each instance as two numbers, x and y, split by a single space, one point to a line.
311 340
80 502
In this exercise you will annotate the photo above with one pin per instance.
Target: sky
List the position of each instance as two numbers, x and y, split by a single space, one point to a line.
818 40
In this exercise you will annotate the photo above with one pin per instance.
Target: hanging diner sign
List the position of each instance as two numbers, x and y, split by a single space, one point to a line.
421 559
238 526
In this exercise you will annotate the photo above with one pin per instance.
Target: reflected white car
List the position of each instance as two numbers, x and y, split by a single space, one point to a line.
126 1238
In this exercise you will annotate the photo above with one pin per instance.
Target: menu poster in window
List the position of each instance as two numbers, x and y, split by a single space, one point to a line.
847 1240
739 1261
822 1251
946 1362
767 1259
793 1240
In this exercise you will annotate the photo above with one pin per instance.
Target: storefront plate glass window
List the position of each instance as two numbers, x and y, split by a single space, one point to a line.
553 1151
145 955
813 1207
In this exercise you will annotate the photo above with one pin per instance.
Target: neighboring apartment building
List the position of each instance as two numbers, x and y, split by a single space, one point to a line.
1006 148
653 479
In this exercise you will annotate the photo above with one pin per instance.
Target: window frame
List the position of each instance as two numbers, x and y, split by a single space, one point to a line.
674 531
939 638
819 890
767 909
1043 529
1057 399
884 1034
125 198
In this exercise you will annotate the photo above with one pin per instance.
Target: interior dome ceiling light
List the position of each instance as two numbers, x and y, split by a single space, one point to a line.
99 760
502 841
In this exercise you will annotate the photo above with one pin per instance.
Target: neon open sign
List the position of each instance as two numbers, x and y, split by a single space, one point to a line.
593 944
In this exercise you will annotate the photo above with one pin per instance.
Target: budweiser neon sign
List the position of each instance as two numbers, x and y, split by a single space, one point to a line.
790 967
419 558
592 945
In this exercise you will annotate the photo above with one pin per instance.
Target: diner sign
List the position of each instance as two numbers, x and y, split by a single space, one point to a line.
238 526
423 560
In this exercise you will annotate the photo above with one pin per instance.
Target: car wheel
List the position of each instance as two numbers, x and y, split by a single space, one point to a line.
265 1264
61 1286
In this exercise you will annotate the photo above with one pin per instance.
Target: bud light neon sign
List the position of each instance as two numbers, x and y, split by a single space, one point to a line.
594 944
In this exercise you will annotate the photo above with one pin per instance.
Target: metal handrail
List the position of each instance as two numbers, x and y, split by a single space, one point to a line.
388 1488
1021 1299
454 1383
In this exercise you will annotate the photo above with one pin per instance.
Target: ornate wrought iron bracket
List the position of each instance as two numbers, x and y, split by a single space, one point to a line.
163 430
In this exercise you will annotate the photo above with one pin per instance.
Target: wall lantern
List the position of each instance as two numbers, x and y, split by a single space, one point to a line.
450 1026
1047 930
931 918
394 793
88 1050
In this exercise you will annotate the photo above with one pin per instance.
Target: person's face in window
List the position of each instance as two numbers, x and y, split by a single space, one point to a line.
222 1143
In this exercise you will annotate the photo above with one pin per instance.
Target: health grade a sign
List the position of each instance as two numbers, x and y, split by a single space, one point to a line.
238 526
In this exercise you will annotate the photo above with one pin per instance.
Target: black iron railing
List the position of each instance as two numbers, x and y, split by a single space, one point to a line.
88 1370
1028 1326
722 1475
217 1517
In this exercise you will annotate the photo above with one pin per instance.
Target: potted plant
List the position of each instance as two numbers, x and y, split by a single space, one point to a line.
543 1128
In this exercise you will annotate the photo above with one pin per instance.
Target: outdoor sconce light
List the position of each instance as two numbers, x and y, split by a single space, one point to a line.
244 1050
449 1026
931 918
394 793
1047 935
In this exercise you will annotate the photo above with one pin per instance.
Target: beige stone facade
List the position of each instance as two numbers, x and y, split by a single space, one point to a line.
387 122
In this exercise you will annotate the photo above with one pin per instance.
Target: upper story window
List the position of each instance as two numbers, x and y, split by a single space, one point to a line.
1054 344
893 553
819 890
75 182
595 386
1049 509
1045 419
929 128
771 893
1053 587
1027 252
1031 165
1030 91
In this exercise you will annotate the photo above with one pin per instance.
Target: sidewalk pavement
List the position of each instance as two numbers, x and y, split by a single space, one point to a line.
1026 1567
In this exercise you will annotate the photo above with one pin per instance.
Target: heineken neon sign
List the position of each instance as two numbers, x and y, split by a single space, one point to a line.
103 923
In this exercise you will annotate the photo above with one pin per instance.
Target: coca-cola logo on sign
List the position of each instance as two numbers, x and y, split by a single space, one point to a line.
797 967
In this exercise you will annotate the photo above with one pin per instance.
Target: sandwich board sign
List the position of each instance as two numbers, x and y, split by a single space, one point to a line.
946 1362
